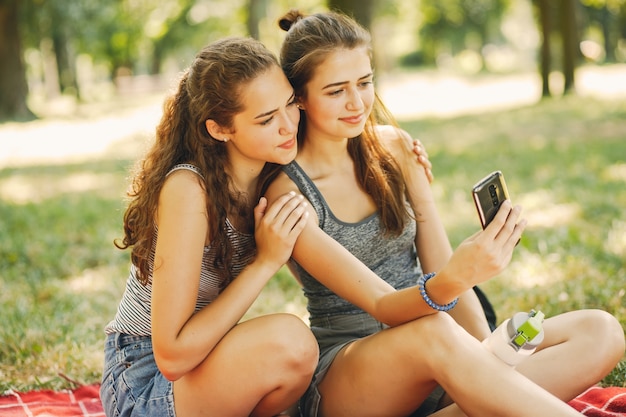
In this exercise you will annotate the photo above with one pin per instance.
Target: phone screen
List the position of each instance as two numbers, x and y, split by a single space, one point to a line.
488 194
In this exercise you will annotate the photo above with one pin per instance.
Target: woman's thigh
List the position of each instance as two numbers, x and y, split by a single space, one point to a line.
252 360
387 373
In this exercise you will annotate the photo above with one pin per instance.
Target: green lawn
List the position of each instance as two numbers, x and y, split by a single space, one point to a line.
564 160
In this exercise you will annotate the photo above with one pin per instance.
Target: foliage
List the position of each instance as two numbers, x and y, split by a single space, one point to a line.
450 25
128 34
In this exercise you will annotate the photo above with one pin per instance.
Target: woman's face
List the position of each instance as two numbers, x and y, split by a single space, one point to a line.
340 95
266 129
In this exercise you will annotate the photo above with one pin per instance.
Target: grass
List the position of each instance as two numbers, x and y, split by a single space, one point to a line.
564 161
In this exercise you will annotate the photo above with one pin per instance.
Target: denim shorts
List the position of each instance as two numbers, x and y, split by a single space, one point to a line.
132 385
332 334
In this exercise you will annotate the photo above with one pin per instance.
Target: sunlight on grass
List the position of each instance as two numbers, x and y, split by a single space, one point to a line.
615 172
541 210
616 239
90 281
22 189
532 270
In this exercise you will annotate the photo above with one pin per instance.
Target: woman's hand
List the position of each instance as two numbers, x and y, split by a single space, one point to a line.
422 157
278 226
486 253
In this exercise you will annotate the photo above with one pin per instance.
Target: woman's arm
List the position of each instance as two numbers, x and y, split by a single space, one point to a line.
433 246
182 339
344 274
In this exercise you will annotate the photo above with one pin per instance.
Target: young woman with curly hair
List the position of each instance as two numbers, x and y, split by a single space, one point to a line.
200 257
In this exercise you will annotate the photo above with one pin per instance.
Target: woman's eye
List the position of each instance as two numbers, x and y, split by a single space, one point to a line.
266 122
335 93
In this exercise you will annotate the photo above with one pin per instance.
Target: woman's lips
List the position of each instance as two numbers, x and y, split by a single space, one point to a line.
354 120
289 144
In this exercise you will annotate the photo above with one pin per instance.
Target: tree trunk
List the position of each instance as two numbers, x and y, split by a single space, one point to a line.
569 38
546 30
13 87
361 10
256 12
607 24
65 62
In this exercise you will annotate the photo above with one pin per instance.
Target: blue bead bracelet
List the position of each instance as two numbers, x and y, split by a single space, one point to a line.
421 283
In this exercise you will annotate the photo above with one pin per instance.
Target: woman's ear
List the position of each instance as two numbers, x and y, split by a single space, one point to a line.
216 130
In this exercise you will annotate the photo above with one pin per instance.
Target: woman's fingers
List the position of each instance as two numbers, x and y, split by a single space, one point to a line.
513 226
287 215
290 213
495 228
422 158
492 249
279 225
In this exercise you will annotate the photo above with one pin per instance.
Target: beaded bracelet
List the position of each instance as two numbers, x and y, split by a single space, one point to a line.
421 283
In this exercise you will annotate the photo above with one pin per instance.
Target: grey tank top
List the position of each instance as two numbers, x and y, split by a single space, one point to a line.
133 313
393 258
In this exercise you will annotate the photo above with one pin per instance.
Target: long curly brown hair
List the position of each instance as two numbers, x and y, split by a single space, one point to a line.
209 89
309 40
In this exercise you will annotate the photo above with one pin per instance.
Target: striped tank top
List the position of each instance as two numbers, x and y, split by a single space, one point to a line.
133 313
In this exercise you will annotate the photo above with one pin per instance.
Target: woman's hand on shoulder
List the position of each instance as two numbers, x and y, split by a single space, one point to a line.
278 225
404 147
422 157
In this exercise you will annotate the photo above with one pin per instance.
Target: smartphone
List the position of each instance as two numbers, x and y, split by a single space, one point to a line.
489 193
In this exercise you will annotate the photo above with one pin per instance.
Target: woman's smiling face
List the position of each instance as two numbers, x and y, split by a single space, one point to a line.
340 95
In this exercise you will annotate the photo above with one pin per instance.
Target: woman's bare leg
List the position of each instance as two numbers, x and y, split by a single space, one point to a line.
470 315
391 373
580 348
593 340
260 368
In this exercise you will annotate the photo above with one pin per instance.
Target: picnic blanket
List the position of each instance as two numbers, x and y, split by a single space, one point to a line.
601 402
85 402
81 402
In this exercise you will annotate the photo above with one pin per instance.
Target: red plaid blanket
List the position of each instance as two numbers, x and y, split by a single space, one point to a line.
82 402
85 402
601 402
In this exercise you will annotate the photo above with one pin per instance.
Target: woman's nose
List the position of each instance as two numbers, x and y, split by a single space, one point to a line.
355 102
290 122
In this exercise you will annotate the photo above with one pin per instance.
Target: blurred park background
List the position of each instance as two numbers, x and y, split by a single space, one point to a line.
535 88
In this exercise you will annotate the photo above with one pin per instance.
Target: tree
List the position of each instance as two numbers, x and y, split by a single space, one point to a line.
453 26
256 12
568 33
607 14
545 62
13 86
570 37
361 10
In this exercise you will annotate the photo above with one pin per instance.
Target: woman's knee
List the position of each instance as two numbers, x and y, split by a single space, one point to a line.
437 335
293 344
595 332
605 332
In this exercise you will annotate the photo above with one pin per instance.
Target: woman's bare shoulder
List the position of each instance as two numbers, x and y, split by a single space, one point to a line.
280 185
396 140
184 186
